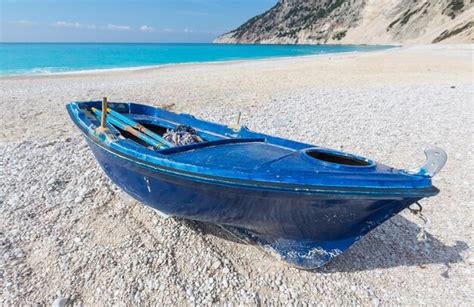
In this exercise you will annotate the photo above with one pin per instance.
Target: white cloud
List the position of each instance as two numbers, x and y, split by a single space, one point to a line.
147 29
187 30
25 23
76 25
117 27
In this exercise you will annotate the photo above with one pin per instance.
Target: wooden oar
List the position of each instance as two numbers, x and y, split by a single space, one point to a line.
116 122
139 127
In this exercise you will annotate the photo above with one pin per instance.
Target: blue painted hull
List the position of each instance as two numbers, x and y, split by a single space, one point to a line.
303 230
302 203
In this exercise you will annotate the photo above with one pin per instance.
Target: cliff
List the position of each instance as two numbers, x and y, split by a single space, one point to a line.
359 22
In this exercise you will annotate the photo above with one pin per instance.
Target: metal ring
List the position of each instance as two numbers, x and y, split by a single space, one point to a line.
417 210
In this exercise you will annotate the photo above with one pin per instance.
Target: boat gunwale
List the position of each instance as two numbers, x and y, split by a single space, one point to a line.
283 187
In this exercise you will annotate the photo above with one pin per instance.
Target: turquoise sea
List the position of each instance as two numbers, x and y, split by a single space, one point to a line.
43 58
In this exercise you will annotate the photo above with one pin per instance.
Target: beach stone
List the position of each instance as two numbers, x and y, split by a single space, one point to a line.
60 302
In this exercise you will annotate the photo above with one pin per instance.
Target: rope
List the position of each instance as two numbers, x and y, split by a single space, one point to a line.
425 221
182 135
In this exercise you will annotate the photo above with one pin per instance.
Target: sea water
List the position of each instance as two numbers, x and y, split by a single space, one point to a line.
43 58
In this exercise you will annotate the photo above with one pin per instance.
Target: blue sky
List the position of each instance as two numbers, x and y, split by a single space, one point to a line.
123 20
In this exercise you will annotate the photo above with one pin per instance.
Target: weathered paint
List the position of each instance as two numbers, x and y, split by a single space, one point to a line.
268 189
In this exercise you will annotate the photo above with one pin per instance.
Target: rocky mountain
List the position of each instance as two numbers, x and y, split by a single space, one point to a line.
359 22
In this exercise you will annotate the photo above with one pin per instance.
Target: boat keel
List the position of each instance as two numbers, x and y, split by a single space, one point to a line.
305 255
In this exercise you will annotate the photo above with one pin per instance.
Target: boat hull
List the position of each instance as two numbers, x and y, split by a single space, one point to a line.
303 229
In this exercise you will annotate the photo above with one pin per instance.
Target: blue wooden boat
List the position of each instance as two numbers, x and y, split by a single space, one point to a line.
304 203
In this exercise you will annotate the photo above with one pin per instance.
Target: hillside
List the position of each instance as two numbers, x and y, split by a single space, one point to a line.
359 22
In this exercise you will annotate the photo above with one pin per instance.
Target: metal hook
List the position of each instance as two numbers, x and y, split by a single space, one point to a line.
418 212
435 161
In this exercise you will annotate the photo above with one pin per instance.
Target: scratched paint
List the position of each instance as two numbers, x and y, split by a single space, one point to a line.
147 182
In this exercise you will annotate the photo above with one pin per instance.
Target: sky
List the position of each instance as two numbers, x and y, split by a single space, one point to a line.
123 20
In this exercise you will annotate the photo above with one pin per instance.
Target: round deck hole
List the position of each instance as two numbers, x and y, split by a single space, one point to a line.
336 158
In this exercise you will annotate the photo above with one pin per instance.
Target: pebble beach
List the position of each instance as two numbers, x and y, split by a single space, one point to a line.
69 235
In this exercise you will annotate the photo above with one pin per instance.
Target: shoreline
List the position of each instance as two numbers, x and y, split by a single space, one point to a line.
217 62
336 55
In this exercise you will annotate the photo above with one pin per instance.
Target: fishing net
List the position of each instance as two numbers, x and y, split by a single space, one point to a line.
182 135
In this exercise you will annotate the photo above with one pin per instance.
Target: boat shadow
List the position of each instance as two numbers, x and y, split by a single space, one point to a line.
209 229
396 243
393 244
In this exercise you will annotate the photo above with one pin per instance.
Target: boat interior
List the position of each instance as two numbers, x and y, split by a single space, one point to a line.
148 126
139 127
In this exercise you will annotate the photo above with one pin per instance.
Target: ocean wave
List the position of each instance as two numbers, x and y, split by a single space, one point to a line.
35 71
